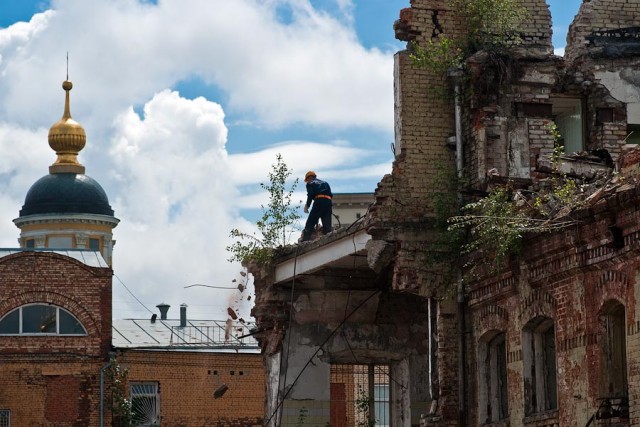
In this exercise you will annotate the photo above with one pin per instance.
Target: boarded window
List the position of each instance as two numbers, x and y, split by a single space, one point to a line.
526 109
492 377
613 351
539 364
60 242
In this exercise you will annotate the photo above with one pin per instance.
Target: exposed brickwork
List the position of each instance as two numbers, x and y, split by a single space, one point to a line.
187 381
569 278
548 308
599 15
53 380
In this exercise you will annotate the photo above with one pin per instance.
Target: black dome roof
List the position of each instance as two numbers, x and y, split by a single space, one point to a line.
66 193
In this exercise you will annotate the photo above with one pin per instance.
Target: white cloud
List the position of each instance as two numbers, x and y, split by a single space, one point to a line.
559 51
166 170
311 70
299 156
174 196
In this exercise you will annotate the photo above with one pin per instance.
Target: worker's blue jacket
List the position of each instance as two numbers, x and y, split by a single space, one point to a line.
317 187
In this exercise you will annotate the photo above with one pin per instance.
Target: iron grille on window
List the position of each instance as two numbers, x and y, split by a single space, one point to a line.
360 395
5 418
145 404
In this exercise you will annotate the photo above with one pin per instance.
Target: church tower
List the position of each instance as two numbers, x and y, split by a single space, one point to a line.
67 209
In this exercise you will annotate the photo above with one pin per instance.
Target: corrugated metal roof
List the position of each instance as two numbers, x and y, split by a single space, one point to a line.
90 258
201 335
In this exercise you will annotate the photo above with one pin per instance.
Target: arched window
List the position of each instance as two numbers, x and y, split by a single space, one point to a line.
37 319
613 351
539 363
492 377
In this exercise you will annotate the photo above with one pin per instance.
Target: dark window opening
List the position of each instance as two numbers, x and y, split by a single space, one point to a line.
633 134
30 243
530 109
94 244
5 418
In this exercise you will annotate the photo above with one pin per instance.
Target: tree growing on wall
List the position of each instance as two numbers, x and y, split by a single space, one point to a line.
276 224
492 25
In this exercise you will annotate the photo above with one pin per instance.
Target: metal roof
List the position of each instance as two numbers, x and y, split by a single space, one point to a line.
90 258
197 335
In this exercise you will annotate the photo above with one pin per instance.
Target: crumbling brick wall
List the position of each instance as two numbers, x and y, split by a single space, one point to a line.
568 277
506 119
599 15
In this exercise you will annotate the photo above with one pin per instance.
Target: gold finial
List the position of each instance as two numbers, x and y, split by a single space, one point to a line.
67 137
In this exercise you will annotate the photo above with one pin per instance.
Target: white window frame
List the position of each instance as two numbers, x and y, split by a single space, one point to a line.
57 331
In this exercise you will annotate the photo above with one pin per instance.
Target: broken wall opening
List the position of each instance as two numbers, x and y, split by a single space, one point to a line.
360 395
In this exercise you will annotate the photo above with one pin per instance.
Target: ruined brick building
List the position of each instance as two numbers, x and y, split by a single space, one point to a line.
551 338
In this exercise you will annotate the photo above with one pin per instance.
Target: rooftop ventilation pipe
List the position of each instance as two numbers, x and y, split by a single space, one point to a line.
164 309
183 315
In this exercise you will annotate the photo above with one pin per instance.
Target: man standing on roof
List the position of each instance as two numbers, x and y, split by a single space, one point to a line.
318 193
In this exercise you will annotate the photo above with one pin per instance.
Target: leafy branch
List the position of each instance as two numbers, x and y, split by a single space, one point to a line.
275 224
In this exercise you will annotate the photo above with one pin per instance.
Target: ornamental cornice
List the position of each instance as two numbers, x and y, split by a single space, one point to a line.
71 219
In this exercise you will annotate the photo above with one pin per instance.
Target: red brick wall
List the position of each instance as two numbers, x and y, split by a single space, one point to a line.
54 380
567 276
187 381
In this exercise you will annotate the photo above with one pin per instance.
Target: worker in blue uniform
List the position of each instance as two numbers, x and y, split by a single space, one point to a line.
318 193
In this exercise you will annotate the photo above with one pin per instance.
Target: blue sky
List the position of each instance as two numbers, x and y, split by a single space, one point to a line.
185 104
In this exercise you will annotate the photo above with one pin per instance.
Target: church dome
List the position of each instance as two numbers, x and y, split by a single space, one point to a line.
62 193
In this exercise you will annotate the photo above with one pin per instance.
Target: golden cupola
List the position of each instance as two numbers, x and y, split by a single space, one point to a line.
67 138
67 209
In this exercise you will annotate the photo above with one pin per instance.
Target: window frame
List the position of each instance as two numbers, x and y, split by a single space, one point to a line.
5 417
58 311
155 394
613 351
540 366
564 109
493 405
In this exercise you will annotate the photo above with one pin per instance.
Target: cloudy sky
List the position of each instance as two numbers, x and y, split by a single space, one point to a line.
186 104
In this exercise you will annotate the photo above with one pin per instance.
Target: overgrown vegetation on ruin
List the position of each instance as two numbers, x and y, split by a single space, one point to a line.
489 230
492 25
276 224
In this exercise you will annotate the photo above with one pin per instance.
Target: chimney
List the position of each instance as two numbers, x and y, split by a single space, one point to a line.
164 308
183 315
